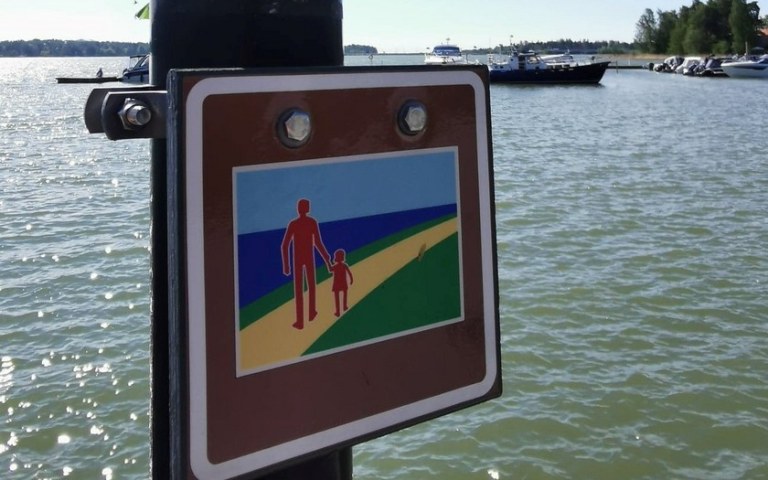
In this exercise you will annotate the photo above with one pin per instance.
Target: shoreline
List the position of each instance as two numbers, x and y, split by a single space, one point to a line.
617 56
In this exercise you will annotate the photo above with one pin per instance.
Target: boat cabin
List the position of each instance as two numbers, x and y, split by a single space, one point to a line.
520 61
447 51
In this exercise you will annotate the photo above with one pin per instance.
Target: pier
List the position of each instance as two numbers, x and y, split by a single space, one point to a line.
87 79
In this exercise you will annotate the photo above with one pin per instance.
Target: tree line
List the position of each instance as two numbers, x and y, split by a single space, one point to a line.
717 26
70 48
355 49
92 48
577 47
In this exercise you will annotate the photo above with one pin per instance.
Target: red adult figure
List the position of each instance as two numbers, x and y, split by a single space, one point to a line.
341 272
303 235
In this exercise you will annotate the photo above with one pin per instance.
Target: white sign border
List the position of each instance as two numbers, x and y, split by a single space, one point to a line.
201 466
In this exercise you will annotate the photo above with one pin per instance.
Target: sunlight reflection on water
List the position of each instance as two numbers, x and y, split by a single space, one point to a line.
631 232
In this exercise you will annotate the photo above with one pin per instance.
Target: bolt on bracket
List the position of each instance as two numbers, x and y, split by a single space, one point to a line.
127 113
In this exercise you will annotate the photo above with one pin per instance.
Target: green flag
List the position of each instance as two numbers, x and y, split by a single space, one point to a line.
143 14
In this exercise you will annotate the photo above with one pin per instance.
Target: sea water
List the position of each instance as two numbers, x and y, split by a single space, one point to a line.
632 234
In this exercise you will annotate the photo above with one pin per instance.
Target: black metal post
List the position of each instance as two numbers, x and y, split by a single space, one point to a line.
220 34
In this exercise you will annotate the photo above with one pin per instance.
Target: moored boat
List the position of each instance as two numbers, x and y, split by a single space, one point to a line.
529 67
757 68
689 63
445 54
669 64
137 71
710 67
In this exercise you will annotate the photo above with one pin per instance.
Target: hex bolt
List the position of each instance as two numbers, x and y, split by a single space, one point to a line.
412 118
134 114
294 127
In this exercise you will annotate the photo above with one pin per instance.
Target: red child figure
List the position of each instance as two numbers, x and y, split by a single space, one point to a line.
340 270
303 234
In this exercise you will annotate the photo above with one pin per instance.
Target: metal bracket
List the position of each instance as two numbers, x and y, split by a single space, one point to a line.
127 113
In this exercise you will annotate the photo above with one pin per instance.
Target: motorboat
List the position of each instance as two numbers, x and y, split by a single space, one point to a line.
669 64
529 67
137 71
757 68
445 54
688 65
710 67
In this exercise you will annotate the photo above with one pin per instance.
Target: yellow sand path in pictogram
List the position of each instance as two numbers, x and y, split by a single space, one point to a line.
273 340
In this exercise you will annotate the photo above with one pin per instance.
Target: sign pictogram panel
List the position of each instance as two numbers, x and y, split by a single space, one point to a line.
337 266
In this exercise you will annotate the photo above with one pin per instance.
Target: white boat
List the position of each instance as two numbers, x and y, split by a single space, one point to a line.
445 54
669 64
688 64
747 68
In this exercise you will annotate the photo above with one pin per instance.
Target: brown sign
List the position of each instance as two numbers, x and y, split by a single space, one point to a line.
338 258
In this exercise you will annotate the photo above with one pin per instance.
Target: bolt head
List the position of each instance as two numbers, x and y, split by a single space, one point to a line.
413 118
297 126
416 118
138 115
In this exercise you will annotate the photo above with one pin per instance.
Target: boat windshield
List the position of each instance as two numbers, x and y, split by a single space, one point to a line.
137 61
446 50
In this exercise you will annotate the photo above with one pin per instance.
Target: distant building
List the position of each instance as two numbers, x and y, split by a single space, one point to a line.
762 38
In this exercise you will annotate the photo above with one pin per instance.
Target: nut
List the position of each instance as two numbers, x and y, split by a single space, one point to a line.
134 114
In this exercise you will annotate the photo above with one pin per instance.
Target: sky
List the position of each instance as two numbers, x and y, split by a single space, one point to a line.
351 188
392 26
